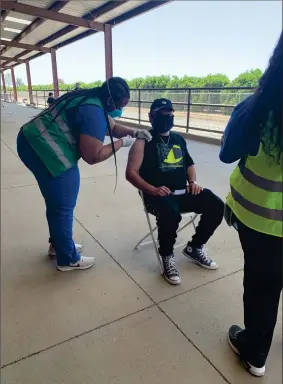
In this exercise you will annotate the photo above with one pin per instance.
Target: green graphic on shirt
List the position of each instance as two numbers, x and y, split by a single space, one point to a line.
174 156
170 157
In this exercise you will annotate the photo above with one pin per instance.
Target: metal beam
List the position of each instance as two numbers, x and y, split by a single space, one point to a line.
24 46
4 67
4 14
57 6
54 73
117 20
51 15
14 84
108 51
100 11
29 83
9 59
135 12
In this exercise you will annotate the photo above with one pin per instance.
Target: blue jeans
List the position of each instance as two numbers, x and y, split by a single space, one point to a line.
60 195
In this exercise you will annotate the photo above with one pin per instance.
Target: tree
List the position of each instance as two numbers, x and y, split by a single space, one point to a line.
216 81
19 82
247 79
8 79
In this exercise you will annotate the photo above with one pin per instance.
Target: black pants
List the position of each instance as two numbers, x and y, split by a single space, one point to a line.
262 288
168 211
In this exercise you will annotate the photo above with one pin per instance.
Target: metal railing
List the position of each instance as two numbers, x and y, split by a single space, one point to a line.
204 111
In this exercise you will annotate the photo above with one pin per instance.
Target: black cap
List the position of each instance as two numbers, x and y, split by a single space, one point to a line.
161 104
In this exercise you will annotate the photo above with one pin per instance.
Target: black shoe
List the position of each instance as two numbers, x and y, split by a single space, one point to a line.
199 256
234 342
170 270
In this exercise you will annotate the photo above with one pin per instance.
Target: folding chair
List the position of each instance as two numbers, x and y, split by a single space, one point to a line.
191 216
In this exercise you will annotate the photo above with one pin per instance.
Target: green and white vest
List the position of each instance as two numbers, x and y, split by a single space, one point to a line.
53 139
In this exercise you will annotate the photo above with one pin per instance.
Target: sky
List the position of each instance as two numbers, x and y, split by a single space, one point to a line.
193 38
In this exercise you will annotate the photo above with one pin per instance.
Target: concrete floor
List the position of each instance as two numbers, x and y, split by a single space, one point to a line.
119 322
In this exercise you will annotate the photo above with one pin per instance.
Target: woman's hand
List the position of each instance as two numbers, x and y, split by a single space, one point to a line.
127 141
142 134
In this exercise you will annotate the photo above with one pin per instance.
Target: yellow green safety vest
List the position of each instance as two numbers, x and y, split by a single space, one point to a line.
256 194
53 139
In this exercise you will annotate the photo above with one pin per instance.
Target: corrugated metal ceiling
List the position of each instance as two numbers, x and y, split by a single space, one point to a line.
75 8
46 29
80 7
123 8
38 3
76 32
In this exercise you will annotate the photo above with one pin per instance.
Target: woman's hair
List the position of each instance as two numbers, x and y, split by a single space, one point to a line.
269 104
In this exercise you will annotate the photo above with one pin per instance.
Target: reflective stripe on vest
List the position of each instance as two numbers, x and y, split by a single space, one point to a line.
273 214
57 150
261 182
63 126
256 194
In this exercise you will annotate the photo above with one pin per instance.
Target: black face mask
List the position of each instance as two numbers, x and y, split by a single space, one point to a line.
163 123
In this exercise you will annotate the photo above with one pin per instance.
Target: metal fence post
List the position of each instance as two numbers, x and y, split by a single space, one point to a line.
139 106
188 111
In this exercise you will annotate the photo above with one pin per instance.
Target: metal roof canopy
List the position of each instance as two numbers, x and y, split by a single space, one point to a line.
29 26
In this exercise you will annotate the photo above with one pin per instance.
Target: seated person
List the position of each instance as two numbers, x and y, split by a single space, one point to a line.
165 172
50 99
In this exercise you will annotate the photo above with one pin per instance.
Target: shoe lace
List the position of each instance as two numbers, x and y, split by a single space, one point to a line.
171 265
203 255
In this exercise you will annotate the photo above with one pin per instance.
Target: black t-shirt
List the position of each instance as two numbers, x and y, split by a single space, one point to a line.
166 160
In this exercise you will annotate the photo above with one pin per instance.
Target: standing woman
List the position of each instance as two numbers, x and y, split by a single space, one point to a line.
254 206
51 144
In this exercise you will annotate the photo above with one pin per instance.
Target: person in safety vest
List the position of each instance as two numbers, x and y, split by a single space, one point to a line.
254 206
164 170
51 144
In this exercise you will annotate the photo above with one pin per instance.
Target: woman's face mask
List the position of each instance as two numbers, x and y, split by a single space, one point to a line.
162 123
116 113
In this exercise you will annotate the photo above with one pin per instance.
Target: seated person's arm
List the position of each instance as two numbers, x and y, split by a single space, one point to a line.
135 160
191 173
193 187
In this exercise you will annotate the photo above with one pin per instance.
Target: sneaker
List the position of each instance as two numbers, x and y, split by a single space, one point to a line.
199 256
170 271
234 343
52 252
83 263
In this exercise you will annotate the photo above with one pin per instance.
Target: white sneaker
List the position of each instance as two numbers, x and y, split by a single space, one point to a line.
52 252
83 263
